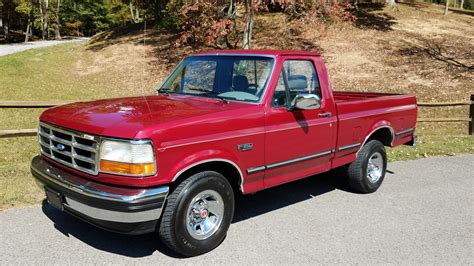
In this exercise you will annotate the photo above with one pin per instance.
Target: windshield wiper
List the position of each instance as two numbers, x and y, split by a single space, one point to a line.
216 93
165 91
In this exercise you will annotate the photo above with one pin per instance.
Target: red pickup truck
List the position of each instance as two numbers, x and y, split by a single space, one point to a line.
223 122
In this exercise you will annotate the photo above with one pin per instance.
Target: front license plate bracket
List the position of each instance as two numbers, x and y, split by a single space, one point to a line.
55 199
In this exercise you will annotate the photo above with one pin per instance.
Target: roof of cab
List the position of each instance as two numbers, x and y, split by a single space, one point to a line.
257 52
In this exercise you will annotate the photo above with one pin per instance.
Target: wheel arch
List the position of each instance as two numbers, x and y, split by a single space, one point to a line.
229 169
383 133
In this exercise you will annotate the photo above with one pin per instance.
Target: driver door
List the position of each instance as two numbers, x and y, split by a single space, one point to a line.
298 143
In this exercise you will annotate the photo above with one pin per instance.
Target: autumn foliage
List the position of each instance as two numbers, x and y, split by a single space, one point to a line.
203 24
207 23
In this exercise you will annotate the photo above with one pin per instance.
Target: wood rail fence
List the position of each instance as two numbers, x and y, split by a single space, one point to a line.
44 104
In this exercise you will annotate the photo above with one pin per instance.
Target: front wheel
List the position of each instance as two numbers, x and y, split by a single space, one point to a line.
198 214
367 172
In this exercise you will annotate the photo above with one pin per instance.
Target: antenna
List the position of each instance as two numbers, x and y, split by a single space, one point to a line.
144 63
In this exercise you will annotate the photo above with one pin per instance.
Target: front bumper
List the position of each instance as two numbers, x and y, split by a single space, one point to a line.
118 209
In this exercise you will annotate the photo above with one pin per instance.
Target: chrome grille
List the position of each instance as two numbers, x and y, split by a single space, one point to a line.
69 147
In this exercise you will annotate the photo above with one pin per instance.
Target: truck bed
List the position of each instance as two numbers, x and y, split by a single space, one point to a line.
360 113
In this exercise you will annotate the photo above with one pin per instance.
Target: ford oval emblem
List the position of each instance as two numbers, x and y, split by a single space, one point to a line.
60 147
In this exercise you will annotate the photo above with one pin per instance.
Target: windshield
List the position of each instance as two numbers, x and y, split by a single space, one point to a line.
240 78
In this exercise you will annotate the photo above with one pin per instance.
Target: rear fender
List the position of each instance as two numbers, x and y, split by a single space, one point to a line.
377 126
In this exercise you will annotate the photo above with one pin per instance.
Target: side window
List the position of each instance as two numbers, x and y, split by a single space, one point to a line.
301 78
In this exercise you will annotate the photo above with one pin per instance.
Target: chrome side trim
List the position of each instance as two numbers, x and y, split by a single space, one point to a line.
404 131
346 147
255 169
213 160
291 161
296 160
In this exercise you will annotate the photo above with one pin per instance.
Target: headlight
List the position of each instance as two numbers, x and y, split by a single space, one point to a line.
127 157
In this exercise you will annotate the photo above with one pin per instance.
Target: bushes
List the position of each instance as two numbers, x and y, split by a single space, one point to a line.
325 11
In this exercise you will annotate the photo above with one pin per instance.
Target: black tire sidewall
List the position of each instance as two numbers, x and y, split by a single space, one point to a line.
373 147
213 181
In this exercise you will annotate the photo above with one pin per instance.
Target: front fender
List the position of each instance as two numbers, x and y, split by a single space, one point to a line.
183 161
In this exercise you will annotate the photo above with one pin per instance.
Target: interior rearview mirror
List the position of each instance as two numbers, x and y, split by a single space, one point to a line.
306 101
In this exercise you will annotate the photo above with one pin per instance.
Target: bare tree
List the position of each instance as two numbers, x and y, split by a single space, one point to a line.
462 4
134 12
58 22
29 26
249 20
446 8
44 17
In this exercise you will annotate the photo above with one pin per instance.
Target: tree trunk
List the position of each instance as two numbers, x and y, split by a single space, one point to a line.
134 13
31 18
231 13
46 18
391 3
446 8
462 4
43 6
249 20
6 18
27 34
58 21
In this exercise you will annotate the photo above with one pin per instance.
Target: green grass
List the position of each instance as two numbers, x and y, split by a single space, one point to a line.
433 145
16 183
43 74
55 73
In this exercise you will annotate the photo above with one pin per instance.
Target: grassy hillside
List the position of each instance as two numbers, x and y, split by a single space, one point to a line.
414 50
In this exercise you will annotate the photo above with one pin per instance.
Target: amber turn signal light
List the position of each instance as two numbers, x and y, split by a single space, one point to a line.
127 168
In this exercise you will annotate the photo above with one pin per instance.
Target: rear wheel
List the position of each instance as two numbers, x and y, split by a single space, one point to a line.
367 172
198 214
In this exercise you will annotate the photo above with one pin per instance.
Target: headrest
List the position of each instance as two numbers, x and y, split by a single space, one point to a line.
241 83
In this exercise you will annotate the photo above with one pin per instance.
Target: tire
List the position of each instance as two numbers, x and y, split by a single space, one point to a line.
364 178
189 200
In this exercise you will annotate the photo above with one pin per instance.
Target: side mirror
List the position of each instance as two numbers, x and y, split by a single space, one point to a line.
306 101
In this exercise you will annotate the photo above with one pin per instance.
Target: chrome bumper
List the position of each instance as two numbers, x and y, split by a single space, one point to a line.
103 205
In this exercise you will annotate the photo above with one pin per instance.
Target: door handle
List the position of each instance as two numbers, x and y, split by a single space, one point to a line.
326 114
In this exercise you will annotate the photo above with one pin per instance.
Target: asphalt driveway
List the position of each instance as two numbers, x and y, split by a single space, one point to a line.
6 49
423 213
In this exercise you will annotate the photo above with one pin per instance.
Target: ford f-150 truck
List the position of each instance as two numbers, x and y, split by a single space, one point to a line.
223 122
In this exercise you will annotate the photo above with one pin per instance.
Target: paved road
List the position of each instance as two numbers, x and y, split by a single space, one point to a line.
423 213
6 49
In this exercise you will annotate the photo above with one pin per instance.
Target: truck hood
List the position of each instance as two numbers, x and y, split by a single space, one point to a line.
125 117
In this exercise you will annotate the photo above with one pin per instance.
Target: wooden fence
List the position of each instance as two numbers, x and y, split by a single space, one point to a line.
42 104
451 119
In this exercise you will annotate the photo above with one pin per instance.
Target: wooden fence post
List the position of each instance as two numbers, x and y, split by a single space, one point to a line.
471 115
